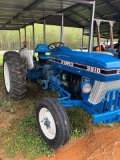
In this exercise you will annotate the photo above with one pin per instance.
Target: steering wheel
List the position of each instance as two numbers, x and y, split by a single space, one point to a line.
55 45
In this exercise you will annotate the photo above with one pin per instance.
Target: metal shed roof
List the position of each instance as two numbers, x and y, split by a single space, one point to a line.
16 14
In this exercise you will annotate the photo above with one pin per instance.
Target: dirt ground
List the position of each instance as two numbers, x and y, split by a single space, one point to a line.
99 144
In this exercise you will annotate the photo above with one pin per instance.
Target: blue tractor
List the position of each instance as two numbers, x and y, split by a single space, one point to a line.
81 79
89 80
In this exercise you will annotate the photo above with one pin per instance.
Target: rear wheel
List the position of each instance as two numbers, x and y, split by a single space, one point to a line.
14 73
52 122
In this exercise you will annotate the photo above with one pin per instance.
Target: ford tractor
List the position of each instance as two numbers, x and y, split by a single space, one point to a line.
89 80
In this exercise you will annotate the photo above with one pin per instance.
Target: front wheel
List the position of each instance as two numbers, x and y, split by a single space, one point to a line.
52 122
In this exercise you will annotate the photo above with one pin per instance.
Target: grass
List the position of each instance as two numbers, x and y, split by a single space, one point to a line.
22 134
79 122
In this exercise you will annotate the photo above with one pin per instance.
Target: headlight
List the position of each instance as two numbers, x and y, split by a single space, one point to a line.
47 53
86 87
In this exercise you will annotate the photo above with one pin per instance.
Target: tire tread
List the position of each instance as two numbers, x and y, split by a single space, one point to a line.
61 120
17 70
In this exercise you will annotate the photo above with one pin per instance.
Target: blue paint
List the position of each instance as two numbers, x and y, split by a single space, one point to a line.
42 48
94 66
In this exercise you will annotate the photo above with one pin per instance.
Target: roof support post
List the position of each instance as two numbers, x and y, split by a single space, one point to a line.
82 37
33 30
107 38
19 38
44 31
98 33
111 33
91 27
111 23
62 28
25 33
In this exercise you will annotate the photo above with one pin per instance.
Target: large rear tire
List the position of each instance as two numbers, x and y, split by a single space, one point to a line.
52 122
14 73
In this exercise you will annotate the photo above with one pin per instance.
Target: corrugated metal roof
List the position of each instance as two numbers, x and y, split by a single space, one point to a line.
16 14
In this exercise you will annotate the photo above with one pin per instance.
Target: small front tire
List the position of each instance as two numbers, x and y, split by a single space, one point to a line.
52 121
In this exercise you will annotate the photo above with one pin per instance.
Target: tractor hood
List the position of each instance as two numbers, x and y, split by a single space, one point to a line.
104 60
101 66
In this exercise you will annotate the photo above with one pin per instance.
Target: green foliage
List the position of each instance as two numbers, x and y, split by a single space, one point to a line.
9 40
100 124
1 78
8 104
2 102
1 61
1 73
72 37
79 122
23 136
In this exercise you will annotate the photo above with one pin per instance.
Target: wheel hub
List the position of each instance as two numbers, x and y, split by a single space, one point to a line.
47 122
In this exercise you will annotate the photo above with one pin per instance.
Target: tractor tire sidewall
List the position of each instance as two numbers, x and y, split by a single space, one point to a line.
60 137
17 75
10 92
65 121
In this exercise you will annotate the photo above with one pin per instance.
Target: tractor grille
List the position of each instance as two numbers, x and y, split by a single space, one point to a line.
99 90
